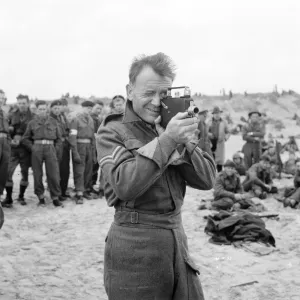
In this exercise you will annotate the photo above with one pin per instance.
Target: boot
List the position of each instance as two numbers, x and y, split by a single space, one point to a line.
87 195
78 199
42 202
56 202
263 196
8 200
21 195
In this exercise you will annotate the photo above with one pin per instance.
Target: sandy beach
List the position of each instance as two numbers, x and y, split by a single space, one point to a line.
57 253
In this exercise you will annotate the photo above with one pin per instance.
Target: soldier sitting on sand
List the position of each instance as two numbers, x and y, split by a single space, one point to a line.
290 146
293 195
267 143
259 179
274 161
228 190
289 166
238 159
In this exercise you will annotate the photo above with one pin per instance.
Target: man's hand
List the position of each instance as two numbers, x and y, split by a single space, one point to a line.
76 158
268 187
181 128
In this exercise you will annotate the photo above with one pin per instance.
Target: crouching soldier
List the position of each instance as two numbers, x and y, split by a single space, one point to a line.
238 159
293 195
274 161
259 179
43 138
289 166
82 141
18 121
228 190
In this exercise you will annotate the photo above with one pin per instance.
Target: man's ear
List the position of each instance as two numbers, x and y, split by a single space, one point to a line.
129 91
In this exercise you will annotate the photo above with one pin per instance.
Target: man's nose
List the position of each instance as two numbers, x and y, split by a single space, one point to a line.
156 100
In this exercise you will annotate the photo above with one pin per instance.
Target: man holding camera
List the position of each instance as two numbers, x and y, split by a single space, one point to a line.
146 169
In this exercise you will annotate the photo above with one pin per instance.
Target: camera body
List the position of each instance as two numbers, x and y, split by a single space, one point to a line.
180 102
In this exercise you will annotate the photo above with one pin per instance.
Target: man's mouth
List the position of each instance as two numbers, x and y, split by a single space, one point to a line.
155 111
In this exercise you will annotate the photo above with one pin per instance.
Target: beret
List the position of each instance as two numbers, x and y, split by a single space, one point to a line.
55 102
87 103
230 163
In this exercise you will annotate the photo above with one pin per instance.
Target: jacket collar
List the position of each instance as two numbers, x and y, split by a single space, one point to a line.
129 114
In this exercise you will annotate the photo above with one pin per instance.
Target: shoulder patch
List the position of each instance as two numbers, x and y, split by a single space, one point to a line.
113 117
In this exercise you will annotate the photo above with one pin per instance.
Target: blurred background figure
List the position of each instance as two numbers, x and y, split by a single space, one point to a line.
117 104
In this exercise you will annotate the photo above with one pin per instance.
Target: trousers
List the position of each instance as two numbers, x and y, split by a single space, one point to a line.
150 263
64 167
83 172
4 162
19 156
252 152
40 154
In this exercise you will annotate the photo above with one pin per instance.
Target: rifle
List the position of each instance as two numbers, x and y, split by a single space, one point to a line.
278 148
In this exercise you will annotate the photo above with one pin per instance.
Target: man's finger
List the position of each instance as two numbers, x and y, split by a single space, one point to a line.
181 115
190 128
188 121
157 120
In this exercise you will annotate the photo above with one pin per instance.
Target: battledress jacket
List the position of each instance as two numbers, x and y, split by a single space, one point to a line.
145 171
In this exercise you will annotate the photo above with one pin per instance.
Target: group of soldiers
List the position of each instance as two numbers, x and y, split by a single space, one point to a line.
259 161
50 136
33 135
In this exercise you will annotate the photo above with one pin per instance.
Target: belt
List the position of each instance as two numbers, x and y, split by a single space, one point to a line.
3 135
44 142
167 221
84 141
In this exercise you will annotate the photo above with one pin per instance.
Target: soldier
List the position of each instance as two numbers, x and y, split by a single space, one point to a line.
253 133
95 114
146 169
291 146
18 121
57 112
117 104
204 142
259 179
43 138
228 190
82 141
239 163
218 133
4 143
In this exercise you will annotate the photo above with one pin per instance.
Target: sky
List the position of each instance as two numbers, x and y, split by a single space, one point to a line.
51 47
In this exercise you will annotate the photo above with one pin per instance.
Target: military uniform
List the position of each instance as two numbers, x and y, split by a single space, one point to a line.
252 148
146 252
43 138
4 149
19 154
257 178
82 141
225 189
97 123
64 153
204 141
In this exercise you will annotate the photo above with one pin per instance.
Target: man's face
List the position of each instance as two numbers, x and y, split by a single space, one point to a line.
237 160
56 109
203 116
63 108
33 108
41 110
119 105
298 166
254 118
229 170
146 94
87 110
2 99
217 116
97 109
23 104
272 150
265 164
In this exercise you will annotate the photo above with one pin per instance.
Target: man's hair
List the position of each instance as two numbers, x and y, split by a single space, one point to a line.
100 102
40 102
1 92
160 63
20 96
64 101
